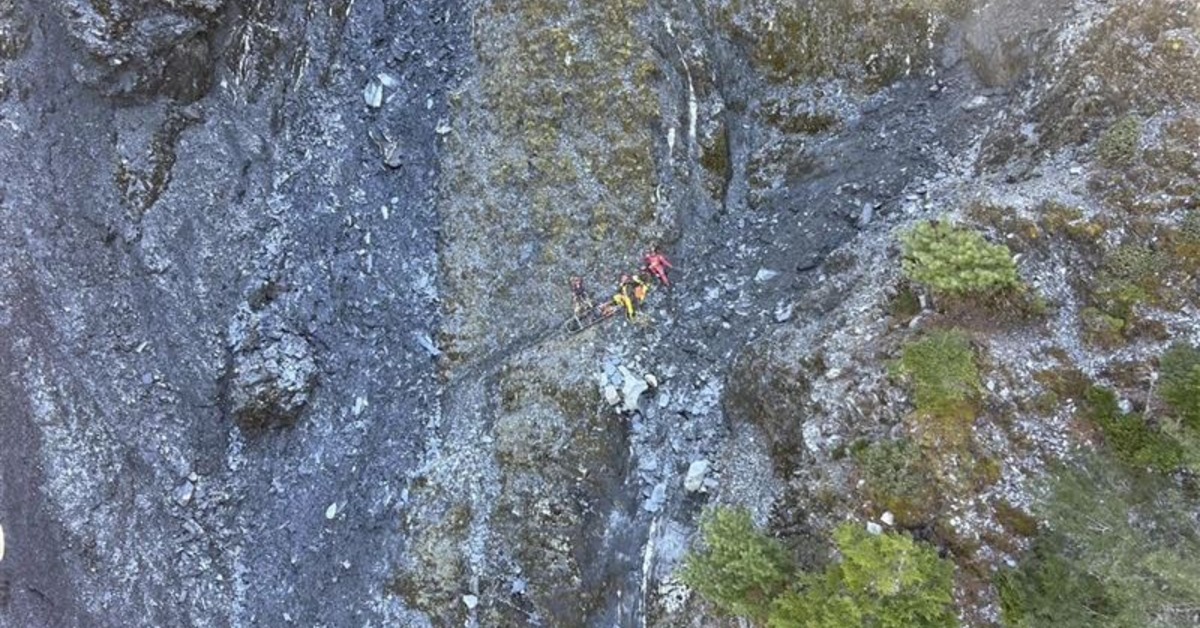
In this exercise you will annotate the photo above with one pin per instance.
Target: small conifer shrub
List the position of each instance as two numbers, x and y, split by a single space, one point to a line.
885 580
956 260
739 569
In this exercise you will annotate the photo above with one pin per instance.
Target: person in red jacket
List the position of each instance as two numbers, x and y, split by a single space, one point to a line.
657 265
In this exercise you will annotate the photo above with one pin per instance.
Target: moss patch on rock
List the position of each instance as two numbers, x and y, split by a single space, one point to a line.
897 479
566 186
1119 144
562 455
1137 59
944 377
869 42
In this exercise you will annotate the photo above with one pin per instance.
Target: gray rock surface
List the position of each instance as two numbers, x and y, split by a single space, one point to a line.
191 233
284 288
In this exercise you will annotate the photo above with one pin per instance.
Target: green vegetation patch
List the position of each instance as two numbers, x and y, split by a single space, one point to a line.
1180 367
898 479
1184 243
1015 520
869 42
1129 276
885 581
1130 438
1050 589
1121 552
1059 219
739 569
945 382
956 260
1118 146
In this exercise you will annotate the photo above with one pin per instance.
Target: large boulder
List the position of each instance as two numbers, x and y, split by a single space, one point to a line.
273 373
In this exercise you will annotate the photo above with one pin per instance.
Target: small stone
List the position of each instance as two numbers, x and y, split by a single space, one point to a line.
874 528
783 312
632 390
274 372
651 380
470 601
1076 170
765 274
696 473
865 214
193 528
184 493
360 404
657 497
888 518
427 344
975 103
518 587
373 94
332 511
611 396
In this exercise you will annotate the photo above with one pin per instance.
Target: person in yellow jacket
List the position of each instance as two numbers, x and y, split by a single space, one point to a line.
624 301
633 292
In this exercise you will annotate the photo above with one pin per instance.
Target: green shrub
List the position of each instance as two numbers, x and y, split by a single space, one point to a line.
739 570
1119 144
956 260
1015 520
1049 589
1101 328
1180 367
897 479
945 381
1189 229
1130 438
883 581
1137 263
1132 532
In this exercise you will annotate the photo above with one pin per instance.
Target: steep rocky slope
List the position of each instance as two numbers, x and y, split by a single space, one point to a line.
214 298
284 291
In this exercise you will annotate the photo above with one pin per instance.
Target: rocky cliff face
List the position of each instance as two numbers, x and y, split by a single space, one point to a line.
216 300
284 289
